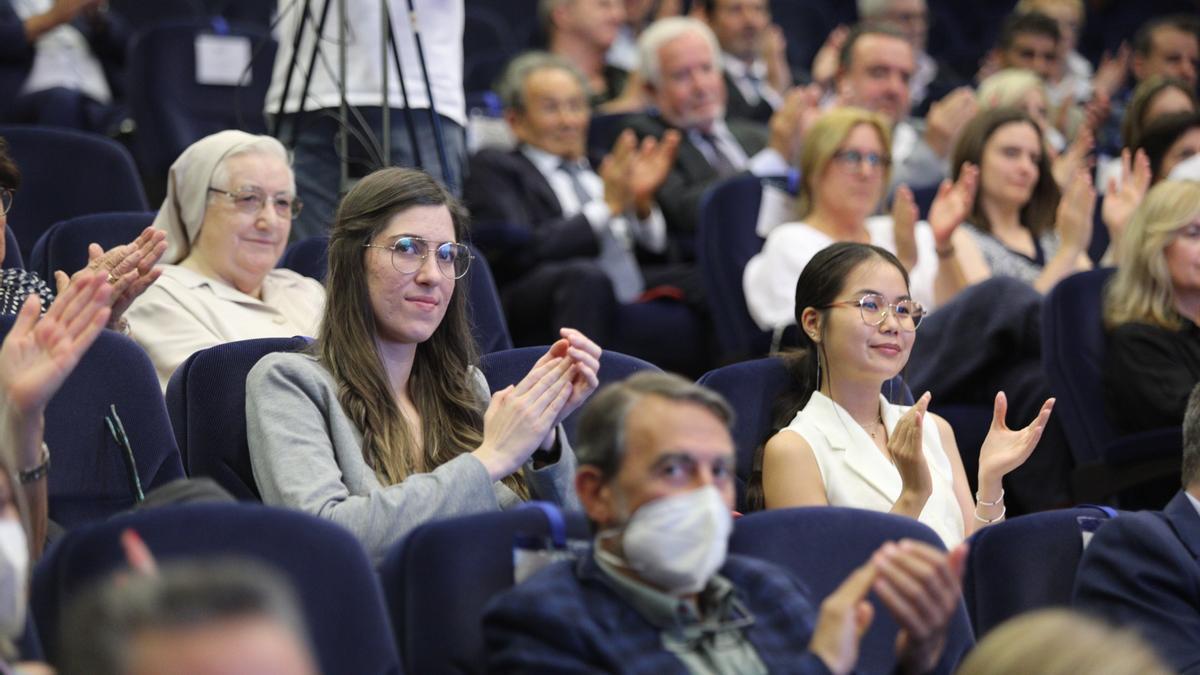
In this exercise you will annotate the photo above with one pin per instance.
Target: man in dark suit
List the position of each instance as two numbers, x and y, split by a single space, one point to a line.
681 65
571 233
657 592
754 57
1143 569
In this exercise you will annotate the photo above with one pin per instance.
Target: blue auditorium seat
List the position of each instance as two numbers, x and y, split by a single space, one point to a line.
211 385
1003 579
822 545
67 173
91 479
12 251
335 586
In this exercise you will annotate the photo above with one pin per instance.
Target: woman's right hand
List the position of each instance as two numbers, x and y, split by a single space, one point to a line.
520 416
1076 209
905 444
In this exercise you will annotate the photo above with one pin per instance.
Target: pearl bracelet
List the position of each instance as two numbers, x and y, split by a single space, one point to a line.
999 500
985 521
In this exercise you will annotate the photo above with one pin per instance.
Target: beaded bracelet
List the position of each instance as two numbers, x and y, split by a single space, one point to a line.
985 521
998 502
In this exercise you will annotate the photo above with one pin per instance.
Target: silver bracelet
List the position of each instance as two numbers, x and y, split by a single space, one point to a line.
985 521
998 502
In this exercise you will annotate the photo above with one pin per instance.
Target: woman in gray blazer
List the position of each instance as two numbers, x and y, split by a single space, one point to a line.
386 423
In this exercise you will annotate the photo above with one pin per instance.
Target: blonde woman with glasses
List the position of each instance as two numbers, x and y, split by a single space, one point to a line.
387 423
231 198
1151 311
842 443
845 169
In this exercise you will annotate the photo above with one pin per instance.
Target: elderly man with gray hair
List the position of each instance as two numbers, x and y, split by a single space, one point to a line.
581 225
681 63
658 592
1143 569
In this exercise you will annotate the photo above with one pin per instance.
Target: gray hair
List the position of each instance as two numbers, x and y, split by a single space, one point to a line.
602 424
99 629
268 146
665 30
1191 439
511 85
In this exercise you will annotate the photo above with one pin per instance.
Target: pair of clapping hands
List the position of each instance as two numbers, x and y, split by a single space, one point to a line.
128 268
523 417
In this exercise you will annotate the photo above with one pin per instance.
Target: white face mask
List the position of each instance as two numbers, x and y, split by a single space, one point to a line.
678 542
14 570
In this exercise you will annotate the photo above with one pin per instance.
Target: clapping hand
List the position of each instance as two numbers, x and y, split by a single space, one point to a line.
904 222
128 268
1122 199
39 354
520 416
1005 449
907 449
1073 220
921 586
953 203
584 373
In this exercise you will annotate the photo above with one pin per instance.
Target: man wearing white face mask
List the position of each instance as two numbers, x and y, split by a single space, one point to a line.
660 595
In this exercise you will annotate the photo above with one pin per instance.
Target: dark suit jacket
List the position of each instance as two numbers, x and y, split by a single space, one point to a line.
737 108
568 619
16 52
1143 570
504 189
692 175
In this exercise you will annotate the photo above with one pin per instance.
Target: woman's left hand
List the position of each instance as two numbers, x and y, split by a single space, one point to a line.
585 367
129 268
953 203
1006 449
904 221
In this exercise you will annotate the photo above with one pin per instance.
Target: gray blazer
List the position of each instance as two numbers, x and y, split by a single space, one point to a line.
307 455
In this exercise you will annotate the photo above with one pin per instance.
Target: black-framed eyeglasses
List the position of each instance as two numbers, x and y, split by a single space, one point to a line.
6 199
409 253
874 310
250 200
852 159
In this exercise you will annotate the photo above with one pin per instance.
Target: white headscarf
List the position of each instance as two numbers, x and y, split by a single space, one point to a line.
182 211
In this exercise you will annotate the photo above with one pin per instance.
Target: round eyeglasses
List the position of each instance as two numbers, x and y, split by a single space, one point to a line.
409 253
250 200
874 309
852 159
6 199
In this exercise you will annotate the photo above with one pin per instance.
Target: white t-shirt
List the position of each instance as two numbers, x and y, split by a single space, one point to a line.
441 28
62 58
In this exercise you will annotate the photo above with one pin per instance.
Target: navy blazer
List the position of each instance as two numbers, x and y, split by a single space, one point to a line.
568 619
504 188
1143 570
691 176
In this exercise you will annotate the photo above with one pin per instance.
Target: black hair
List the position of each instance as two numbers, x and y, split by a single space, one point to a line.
1162 133
820 284
10 175
1026 23
1143 39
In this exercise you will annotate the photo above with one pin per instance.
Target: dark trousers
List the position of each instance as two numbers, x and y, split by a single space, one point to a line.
572 293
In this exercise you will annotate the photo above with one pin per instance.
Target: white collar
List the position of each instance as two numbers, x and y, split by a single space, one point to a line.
738 68
547 162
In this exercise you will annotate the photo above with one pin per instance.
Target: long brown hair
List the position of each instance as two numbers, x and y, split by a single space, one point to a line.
1039 212
441 384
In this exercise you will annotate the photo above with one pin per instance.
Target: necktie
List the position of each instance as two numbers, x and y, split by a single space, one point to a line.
756 86
718 159
616 257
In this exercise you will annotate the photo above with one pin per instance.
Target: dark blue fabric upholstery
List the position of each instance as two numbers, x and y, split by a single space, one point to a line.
100 176
603 131
64 246
172 109
822 545
310 257
725 242
508 367
438 579
1024 564
752 388
1073 347
89 480
335 585
12 251
665 332
206 398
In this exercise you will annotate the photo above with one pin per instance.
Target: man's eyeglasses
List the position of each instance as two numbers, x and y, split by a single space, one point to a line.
6 199
852 159
874 310
250 200
409 253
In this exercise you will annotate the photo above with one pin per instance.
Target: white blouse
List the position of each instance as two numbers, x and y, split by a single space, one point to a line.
857 474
